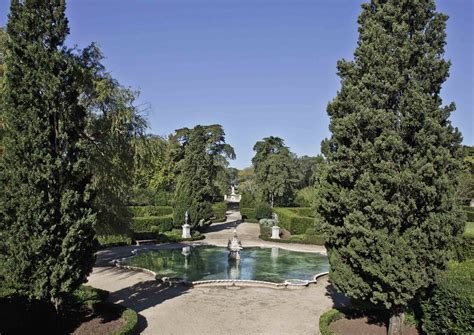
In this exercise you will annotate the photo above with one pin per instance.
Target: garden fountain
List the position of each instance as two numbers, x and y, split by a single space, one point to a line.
234 246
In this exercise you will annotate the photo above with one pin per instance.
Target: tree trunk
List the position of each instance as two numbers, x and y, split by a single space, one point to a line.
397 319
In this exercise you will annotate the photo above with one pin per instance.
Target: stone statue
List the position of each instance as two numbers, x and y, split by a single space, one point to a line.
232 188
186 217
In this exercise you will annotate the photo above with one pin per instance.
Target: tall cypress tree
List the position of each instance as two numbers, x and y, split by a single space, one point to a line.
388 192
46 222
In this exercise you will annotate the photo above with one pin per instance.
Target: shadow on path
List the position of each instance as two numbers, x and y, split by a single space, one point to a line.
221 226
144 295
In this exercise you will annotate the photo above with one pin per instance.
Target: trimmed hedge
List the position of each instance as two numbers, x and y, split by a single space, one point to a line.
326 319
292 222
219 209
300 239
131 323
303 211
450 307
150 210
147 223
248 214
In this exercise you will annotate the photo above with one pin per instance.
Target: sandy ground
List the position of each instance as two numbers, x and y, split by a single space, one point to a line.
215 310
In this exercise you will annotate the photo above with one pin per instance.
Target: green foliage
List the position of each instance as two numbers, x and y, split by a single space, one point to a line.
326 319
292 222
275 171
469 211
113 124
247 200
204 150
150 196
469 230
306 197
450 307
248 214
146 223
46 221
303 211
387 194
266 227
107 241
263 211
131 323
151 210
219 209
299 239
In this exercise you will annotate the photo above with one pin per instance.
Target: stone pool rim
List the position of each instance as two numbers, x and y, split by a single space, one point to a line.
118 262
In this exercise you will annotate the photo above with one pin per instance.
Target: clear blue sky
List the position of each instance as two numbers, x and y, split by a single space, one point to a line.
258 67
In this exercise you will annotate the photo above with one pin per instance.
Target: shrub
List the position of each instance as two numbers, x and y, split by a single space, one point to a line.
149 196
106 241
266 227
248 214
303 211
263 211
247 200
469 213
292 222
306 197
326 319
131 322
140 211
219 209
146 224
449 309
300 239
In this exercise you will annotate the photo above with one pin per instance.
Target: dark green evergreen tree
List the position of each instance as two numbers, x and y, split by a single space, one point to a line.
46 223
204 149
387 194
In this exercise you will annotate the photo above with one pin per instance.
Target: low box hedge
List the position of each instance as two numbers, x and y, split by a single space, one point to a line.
129 327
150 210
449 309
147 223
326 319
300 239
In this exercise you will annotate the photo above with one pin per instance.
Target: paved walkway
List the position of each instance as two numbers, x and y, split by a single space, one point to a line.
215 310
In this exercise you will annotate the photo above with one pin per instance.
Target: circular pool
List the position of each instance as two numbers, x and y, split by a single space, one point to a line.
204 263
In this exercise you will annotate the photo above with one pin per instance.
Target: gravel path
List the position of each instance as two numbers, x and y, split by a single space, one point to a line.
215 310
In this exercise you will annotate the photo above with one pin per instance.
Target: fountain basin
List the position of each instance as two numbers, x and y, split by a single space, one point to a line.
203 264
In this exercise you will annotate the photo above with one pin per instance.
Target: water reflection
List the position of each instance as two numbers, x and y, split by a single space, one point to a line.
206 263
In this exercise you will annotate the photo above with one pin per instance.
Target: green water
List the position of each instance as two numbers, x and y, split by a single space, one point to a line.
207 263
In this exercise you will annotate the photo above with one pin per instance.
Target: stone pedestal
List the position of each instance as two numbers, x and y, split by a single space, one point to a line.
186 231
276 232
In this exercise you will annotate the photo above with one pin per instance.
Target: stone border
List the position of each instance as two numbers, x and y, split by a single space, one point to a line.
219 282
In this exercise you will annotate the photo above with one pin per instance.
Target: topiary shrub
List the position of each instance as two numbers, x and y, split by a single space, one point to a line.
247 200
263 211
449 309
131 323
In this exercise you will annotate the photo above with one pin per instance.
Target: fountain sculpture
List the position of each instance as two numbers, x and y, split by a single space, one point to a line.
234 246
275 228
